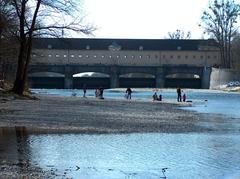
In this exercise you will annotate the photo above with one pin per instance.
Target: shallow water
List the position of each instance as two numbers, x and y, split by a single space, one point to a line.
141 156
138 156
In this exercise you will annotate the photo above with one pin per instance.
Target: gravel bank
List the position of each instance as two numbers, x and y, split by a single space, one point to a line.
54 114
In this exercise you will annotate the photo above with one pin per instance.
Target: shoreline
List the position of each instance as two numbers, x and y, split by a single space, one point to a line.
51 114
59 114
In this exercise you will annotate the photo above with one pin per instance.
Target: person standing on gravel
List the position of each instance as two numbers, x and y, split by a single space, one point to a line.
84 90
129 93
179 95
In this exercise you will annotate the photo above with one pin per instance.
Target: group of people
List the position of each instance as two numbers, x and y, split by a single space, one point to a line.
181 97
99 93
156 97
128 95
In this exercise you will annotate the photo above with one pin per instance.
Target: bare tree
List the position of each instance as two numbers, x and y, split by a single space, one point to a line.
3 17
219 21
7 28
45 17
178 34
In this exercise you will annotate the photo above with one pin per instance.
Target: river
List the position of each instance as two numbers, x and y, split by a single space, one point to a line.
141 156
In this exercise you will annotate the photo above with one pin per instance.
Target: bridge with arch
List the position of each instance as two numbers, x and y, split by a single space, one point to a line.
122 63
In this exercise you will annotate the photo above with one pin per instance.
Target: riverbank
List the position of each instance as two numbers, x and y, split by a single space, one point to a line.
58 114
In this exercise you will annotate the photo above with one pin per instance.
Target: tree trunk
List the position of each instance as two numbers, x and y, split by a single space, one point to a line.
19 83
25 49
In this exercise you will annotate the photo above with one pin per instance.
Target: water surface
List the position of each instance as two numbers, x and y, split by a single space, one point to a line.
138 156
187 156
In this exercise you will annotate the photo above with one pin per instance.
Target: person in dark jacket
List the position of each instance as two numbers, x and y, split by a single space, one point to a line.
179 95
129 93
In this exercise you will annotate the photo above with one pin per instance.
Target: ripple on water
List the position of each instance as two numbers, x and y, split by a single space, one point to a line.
141 155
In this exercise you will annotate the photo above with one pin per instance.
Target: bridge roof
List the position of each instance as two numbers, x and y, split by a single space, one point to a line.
120 44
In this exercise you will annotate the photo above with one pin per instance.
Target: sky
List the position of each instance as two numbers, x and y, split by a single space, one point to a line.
144 19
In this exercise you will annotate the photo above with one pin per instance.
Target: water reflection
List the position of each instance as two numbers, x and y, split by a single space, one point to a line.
125 156
14 147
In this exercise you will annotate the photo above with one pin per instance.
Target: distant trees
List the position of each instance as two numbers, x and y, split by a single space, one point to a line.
7 18
219 21
179 34
41 18
235 51
8 22
7 29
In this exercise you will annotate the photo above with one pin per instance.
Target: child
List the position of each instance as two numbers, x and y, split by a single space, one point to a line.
184 97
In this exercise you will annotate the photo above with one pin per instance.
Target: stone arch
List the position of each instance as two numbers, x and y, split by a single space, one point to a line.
184 70
182 75
137 80
91 80
46 79
183 80
137 75
45 74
